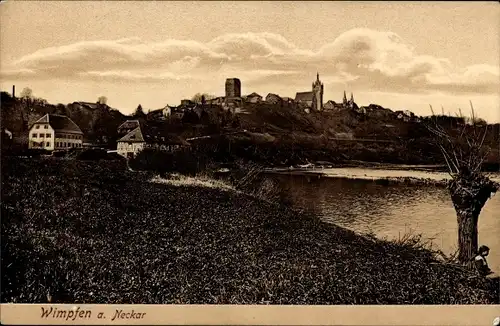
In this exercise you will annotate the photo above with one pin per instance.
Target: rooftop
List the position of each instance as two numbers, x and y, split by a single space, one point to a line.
304 96
59 123
151 133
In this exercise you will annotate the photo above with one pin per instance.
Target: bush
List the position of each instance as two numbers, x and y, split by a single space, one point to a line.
92 154
30 152
163 162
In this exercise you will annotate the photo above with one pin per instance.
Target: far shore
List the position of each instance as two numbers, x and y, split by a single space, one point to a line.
426 174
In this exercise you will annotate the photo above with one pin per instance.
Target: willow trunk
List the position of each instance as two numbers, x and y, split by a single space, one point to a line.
469 193
467 235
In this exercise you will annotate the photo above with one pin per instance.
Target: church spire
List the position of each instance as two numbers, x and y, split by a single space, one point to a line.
352 98
345 98
317 76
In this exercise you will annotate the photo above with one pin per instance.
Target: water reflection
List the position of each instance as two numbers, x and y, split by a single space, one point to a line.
391 211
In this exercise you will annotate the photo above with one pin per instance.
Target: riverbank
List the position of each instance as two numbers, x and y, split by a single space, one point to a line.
91 232
380 173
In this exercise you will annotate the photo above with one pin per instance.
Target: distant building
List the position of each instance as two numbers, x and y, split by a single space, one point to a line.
313 99
305 98
350 104
253 98
273 98
405 115
233 93
155 115
149 136
53 132
233 87
216 101
87 105
377 111
317 102
333 106
127 127
167 111
188 103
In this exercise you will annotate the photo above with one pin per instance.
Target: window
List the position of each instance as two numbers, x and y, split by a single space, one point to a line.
35 135
48 135
48 144
42 135
37 127
45 127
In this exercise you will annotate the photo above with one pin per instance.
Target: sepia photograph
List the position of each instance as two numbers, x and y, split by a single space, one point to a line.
249 153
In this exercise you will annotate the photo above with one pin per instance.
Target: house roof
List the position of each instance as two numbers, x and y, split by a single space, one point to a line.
304 96
154 113
129 124
89 104
253 95
150 133
59 123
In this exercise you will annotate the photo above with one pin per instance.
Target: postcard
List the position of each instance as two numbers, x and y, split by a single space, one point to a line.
250 162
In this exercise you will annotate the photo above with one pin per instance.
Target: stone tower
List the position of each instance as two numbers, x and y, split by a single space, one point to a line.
233 88
317 90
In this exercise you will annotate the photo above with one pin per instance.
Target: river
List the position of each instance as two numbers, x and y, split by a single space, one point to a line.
390 211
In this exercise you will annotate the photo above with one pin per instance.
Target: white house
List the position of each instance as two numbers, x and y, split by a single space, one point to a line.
55 132
148 136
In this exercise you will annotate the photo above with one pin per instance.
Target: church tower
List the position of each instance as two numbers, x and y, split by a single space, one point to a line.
344 100
317 92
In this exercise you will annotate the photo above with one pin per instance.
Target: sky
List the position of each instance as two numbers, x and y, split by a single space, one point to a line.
401 55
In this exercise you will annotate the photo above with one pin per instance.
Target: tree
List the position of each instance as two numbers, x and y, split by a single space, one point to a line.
139 112
61 109
464 152
26 93
199 98
102 100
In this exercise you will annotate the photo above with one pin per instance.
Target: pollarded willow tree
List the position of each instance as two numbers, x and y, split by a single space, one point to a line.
464 150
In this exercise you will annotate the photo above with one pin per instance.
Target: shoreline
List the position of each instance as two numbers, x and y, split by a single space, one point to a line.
413 174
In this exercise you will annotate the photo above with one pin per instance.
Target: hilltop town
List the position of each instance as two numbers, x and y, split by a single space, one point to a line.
274 129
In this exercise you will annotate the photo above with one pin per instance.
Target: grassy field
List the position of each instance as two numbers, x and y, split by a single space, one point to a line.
92 232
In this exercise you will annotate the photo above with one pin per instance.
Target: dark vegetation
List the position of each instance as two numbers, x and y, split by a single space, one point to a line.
275 135
84 231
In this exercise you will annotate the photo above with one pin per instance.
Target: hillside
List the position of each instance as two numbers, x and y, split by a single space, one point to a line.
106 235
98 122
269 133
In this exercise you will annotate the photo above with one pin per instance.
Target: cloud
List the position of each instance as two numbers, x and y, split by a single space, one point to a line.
364 58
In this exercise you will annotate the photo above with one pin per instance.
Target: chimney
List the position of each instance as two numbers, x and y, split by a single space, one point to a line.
14 91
